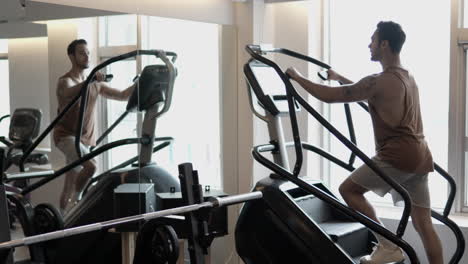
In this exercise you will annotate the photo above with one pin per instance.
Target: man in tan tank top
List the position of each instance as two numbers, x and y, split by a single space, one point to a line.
401 151
68 86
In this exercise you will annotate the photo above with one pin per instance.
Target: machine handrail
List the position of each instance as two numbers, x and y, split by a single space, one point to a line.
374 226
77 97
352 134
458 254
84 90
453 188
255 52
109 130
329 156
4 117
293 95
442 172
167 142
79 161
297 141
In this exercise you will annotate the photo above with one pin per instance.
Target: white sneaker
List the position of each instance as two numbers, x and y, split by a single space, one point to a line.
381 255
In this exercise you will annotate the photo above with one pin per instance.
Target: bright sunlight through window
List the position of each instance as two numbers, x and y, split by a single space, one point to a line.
425 54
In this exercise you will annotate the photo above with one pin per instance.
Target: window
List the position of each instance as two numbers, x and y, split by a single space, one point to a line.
115 32
118 30
351 57
4 87
194 117
124 72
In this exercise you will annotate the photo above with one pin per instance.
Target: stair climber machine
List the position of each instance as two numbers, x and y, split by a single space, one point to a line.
153 96
157 242
24 127
299 220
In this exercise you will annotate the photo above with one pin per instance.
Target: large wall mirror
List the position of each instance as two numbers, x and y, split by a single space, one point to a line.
191 130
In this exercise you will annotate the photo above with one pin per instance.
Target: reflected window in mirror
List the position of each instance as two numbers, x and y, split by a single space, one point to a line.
194 117
118 30
124 72
115 31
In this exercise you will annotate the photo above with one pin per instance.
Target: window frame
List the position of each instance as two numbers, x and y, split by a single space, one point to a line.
104 52
458 140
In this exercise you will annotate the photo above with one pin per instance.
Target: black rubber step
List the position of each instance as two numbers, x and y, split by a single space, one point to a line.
352 237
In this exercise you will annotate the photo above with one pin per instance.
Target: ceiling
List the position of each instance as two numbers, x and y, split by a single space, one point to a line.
14 11
16 17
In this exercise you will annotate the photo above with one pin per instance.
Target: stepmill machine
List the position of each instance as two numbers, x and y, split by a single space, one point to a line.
299 220
153 96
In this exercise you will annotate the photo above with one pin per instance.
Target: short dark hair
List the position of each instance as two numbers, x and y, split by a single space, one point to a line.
72 46
393 33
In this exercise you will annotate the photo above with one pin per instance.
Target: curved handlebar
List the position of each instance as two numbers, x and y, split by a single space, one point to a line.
256 153
256 52
4 117
84 90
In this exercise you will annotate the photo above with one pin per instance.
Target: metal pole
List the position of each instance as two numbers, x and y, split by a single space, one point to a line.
234 199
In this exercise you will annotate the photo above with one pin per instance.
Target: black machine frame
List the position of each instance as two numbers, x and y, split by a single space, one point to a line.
196 211
145 140
293 97
83 97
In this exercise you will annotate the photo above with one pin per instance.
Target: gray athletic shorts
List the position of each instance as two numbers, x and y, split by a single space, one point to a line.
67 146
415 184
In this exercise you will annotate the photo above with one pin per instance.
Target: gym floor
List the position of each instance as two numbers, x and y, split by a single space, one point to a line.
20 253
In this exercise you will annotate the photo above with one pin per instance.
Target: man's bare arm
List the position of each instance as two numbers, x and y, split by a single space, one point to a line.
115 94
362 90
67 88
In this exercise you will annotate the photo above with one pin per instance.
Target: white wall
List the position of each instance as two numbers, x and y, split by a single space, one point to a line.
29 78
285 25
223 249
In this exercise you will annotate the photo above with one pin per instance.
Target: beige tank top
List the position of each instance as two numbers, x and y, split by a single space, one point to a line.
67 126
400 143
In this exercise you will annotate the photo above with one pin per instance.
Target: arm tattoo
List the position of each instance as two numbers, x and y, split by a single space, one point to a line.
361 90
347 91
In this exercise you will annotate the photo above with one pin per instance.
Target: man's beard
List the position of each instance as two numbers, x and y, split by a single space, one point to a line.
374 57
84 66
